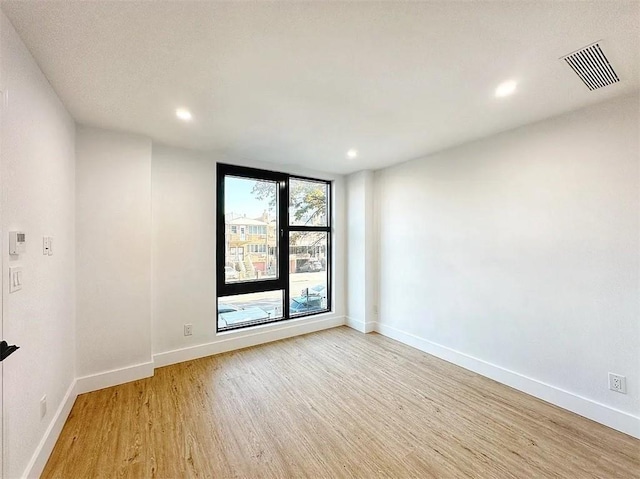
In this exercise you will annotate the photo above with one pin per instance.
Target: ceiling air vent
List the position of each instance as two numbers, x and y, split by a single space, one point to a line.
592 67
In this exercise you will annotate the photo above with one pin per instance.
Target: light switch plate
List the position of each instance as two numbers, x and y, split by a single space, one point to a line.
15 279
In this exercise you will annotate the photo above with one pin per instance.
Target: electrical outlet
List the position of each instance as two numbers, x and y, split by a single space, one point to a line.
188 329
618 383
43 406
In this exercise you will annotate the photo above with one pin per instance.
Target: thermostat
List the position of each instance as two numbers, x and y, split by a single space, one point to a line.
17 242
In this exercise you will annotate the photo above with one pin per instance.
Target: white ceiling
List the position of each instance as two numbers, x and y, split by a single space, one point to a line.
301 83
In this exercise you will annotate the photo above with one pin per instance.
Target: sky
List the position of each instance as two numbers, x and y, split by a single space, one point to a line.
238 198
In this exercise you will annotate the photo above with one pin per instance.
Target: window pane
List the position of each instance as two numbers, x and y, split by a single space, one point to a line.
251 242
307 203
272 233
308 272
247 309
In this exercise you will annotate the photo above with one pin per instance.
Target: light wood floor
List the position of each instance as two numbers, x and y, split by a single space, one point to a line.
331 404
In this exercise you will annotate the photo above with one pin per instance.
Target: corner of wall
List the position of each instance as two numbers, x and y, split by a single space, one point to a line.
107 379
362 326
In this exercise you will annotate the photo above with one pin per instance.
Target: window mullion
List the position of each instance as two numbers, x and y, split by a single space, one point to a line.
284 241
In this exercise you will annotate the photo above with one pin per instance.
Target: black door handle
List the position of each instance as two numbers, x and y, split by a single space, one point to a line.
6 350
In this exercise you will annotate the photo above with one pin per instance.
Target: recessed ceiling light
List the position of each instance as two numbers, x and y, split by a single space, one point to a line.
183 114
506 88
352 153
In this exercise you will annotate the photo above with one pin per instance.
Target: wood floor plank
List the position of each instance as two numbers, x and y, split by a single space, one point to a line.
336 404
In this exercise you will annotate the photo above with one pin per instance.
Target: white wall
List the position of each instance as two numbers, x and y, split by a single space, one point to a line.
184 247
361 274
522 251
184 287
146 259
37 175
113 261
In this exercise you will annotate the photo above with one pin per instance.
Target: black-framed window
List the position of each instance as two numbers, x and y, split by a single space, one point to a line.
273 246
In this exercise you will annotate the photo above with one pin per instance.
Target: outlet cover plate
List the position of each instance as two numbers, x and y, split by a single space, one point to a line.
618 383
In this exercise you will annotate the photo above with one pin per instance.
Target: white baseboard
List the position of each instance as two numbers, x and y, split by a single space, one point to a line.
619 420
107 379
360 325
614 418
247 338
44 449
236 340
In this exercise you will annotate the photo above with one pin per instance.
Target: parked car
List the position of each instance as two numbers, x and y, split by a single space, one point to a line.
253 314
305 304
226 308
230 274
310 267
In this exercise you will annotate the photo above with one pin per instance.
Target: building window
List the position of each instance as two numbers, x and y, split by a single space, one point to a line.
257 230
262 283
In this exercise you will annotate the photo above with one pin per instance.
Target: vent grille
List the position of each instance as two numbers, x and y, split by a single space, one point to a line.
592 66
